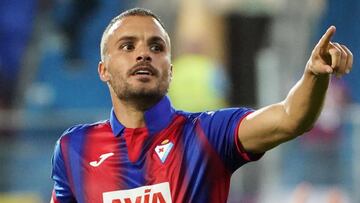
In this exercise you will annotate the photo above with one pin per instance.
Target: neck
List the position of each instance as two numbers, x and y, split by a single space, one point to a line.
131 113
128 115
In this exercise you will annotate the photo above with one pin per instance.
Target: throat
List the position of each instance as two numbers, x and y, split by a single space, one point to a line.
142 102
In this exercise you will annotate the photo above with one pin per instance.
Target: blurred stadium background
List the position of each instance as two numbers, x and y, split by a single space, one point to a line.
225 52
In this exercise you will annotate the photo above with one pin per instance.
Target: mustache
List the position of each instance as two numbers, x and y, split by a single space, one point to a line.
143 66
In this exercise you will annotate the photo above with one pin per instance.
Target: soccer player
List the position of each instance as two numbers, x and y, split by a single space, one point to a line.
149 152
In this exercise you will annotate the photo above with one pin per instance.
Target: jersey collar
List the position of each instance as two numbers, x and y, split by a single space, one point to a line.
156 118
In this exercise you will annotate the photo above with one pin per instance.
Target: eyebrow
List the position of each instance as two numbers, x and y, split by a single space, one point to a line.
156 39
126 38
133 38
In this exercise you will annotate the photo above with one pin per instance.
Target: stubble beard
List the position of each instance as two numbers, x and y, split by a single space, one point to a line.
141 98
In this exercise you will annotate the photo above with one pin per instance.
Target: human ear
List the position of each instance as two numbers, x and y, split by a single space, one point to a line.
171 71
103 72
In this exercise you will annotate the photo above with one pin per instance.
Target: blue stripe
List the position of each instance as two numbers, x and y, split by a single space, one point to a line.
132 174
75 154
196 163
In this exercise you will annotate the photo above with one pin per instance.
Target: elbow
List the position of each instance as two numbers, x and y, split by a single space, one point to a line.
300 129
297 125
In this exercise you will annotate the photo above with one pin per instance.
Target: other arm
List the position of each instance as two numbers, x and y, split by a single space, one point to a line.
274 124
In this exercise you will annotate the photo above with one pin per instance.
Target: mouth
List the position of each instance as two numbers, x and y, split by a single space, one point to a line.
143 70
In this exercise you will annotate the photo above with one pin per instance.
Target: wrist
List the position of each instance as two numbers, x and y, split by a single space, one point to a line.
310 71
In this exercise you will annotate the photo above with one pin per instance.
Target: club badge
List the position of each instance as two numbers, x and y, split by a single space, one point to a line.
164 149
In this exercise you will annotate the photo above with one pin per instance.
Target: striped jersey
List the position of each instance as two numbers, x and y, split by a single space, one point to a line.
178 157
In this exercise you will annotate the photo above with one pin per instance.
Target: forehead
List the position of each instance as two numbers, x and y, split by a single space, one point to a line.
137 26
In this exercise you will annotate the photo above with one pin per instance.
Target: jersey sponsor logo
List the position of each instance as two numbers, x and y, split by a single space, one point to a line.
210 113
164 149
158 193
102 157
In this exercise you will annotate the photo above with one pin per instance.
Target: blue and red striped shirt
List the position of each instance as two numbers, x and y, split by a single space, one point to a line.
178 157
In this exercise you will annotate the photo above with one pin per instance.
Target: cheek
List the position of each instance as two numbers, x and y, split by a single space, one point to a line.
166 72
118 66
115 74
120 59
166 66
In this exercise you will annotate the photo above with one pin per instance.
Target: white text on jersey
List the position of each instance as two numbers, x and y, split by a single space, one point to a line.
158 193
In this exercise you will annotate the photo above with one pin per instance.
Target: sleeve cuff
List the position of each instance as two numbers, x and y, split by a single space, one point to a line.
247 156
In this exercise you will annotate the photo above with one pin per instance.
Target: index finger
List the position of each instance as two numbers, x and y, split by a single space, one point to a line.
325 39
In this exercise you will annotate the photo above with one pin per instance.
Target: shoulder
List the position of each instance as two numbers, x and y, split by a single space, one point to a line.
220 113
218 117
81 130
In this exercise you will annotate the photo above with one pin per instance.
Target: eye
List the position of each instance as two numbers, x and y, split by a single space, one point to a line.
156 47
128 46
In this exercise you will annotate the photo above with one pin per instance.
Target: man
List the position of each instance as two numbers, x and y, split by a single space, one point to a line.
149 152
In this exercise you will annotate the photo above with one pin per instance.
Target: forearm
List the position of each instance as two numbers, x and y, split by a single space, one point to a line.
277 123
280 122
304 102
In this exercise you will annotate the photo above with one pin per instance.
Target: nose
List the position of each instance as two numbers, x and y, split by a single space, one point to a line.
143 57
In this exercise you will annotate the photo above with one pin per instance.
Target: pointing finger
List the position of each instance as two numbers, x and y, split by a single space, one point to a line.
325 39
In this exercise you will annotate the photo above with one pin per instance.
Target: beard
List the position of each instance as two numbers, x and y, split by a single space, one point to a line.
141 97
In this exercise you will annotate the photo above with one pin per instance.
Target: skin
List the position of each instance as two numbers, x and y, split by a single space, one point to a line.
277 123
136 42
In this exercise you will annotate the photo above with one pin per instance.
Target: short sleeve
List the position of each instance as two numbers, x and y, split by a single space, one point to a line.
62 190
220 128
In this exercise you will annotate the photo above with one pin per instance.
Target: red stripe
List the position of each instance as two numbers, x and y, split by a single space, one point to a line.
53 197
170 170
217 175
239 146
64 146
105 177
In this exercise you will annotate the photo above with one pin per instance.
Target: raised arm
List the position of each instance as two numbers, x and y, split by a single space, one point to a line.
277 123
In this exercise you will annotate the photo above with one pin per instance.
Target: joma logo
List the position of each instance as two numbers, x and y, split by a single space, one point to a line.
158 193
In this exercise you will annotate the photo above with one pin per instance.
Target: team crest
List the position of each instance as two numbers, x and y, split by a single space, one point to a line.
164 149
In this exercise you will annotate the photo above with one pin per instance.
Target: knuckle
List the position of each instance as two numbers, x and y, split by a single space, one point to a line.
344 55
350 55
337 53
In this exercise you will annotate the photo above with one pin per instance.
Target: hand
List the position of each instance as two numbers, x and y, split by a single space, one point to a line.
330 57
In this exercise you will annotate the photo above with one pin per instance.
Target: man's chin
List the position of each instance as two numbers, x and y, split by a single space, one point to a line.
145 93
144 90
145 99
